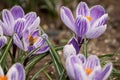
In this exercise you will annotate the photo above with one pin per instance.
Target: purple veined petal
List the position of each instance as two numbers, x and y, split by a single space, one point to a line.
35 24
67 18
19 26
43 49
96 12
101 21
17 12
82 58
8 18
92 62
36 33
5 28
70 66
82 9
80 72
106 72
1 71
96 32
25 39
94 75
16 72
75 44
3 41
17 41
68 50
8 22
82 25
30 18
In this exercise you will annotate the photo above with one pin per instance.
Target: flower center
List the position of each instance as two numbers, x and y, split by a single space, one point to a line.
89 18
32 39
88 71
3 78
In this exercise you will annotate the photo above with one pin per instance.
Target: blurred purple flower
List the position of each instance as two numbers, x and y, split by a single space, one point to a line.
15 20
31 40
16 72
80 68
89 22
3 39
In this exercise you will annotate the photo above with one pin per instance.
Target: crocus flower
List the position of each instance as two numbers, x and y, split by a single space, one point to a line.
3 39
88 21
15 21
31 40
80 68
16 72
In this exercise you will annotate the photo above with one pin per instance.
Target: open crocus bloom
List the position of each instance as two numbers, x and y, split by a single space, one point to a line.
89 22
16 72
32 40
14 20
3 39
80 68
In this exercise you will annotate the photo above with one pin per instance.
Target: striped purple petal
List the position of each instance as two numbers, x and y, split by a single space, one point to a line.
8 20
101 21
82 58
67 17
82 9
3 41
80 73
96 12
70 66
36 33
35 24
19 26
30 18
69 50
81 25
43 49
16 72
74 42
106 72
92 62
17 41
5 28
96 32
17 12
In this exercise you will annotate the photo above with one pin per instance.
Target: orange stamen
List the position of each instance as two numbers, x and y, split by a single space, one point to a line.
32 39
88 70
3 78
89 18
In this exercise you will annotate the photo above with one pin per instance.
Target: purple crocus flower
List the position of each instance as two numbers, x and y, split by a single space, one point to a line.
16 72
80 68
3 39
88 21
15 20
31 40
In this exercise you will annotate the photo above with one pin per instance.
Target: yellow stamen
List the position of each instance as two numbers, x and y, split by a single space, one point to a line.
32 39
3 78
89 18
88 70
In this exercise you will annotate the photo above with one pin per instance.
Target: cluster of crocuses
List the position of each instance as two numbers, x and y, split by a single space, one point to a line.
89 23
26 35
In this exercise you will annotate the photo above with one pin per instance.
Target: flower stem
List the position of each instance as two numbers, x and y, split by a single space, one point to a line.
85 47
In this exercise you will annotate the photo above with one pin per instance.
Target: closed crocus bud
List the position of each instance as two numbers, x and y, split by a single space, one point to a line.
68 50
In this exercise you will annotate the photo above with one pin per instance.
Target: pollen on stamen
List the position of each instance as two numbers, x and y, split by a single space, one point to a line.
88 71
3 78
89 18
32 39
